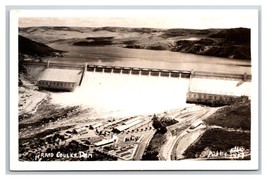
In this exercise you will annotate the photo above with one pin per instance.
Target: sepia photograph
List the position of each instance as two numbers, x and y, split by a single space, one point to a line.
153 86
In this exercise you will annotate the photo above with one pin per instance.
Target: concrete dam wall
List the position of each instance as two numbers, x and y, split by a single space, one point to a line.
140 90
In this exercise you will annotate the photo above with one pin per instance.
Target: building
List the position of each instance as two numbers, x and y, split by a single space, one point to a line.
106 141
60 79
80 131
127 126
212 99
130 121
96 125
196 124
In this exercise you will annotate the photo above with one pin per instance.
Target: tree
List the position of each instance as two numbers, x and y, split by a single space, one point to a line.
158 125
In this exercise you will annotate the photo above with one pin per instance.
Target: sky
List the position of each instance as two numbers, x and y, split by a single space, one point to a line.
196 19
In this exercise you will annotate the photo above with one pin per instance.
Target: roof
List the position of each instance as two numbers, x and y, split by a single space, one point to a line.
79 130
126 126
105 141
61 75
97 125
197 123
130 121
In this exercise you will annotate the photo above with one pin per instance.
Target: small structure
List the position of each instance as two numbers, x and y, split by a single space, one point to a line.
129 121
94 126
196 124
127 126
80 131
60 79
106 141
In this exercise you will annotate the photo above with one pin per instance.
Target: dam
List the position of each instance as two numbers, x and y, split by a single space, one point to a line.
143 90
139 71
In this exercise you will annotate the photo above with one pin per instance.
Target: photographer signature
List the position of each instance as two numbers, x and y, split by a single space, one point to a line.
237 152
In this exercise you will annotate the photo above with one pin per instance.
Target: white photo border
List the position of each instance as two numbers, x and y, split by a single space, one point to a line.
16 165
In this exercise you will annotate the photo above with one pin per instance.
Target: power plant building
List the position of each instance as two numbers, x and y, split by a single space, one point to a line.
212 99
59 79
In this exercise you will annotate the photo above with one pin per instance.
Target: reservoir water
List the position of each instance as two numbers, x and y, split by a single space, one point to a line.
117 56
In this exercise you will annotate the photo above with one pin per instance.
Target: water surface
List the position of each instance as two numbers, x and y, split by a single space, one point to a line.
117 56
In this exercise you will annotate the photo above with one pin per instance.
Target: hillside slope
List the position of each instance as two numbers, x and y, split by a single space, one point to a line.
33 48
229 43
227 130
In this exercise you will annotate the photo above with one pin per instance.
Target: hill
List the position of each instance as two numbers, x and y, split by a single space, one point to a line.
229 127
229 43
236 116
33 48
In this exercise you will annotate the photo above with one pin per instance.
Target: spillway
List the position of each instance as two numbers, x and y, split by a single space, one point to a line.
125 93
131 94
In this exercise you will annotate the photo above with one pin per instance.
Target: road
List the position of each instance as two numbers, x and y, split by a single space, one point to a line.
184 141
143 144
178 131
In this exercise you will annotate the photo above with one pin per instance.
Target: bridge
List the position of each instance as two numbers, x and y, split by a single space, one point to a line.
167 72
139 71
207 75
